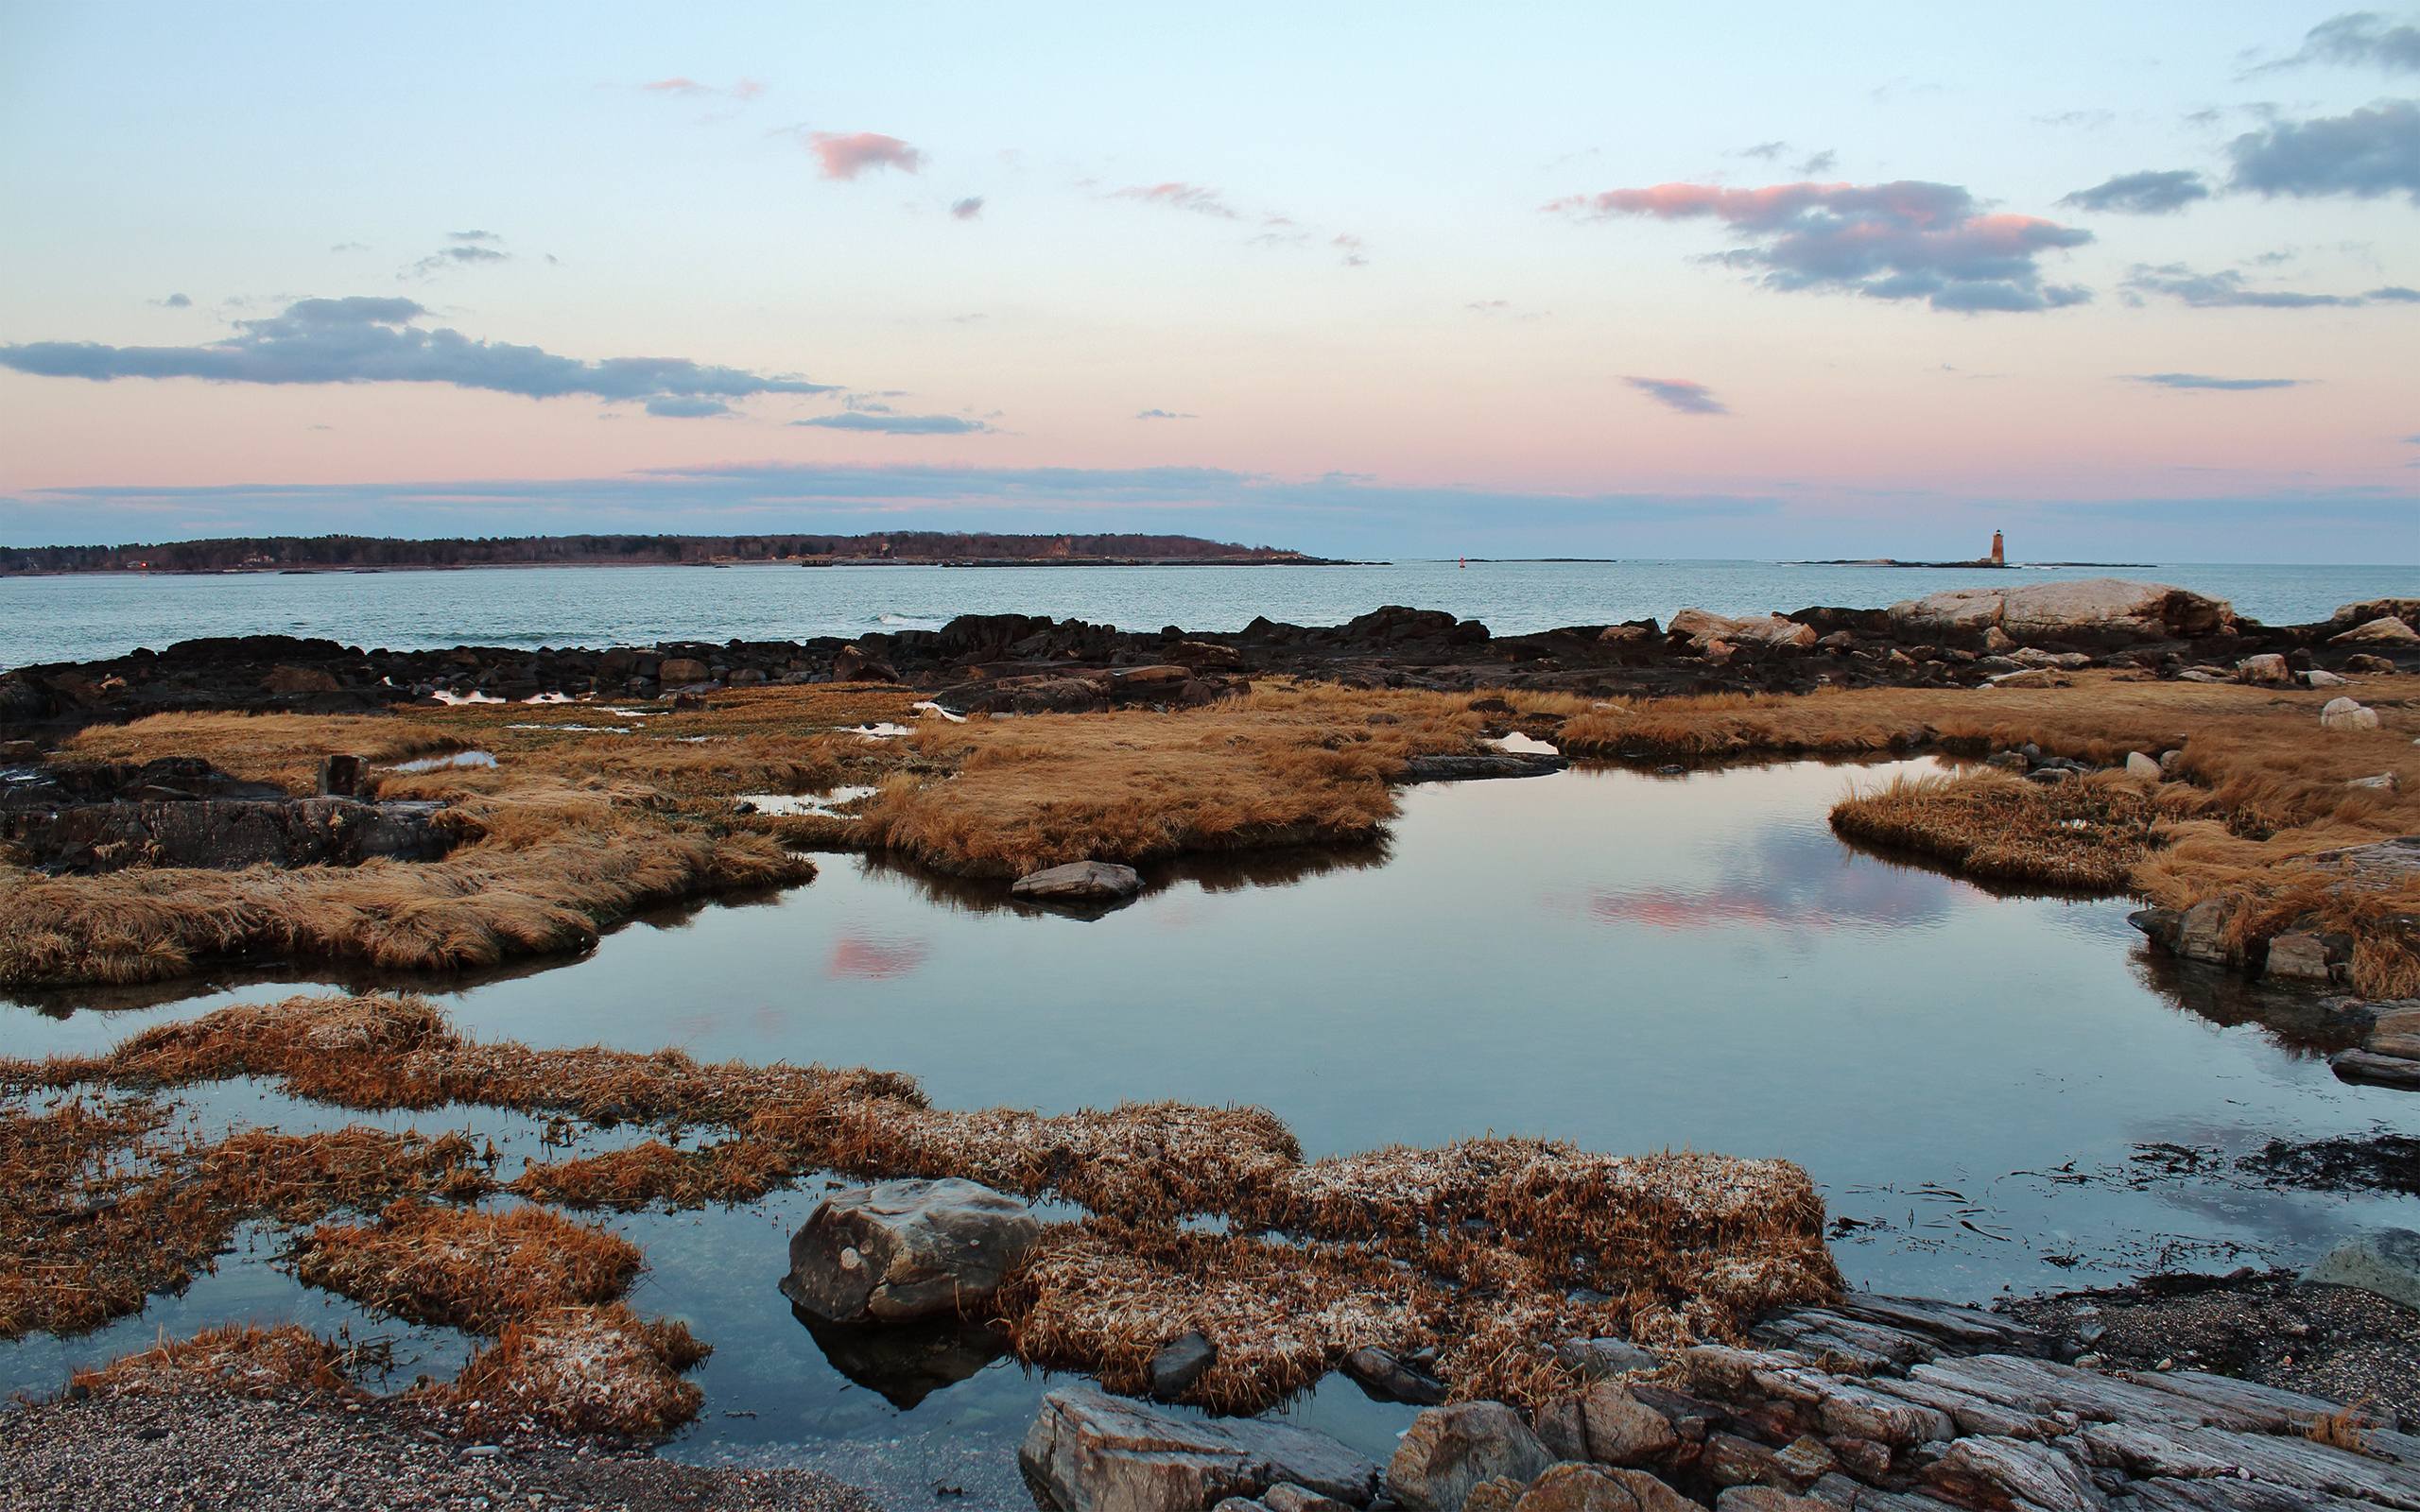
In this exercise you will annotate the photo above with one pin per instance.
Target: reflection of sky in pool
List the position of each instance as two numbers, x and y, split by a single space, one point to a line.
1621 960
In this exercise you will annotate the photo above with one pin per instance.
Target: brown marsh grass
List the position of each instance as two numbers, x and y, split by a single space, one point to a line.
1685 1245
243 1358
2087 834
467 1267
579 1369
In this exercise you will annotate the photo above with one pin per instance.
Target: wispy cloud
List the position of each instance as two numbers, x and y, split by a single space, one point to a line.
1164 414
683 87
1907 240
372 339
175 301
968 207
2357 39
683 406
2228 290
1683 395
877 419
2368 153
2203 380
1176 196
845 155
2151 192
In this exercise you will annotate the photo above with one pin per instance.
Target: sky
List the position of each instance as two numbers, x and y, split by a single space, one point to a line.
2136 281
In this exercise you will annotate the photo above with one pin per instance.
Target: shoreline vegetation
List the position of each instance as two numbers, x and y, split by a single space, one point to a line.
300 554
2254 785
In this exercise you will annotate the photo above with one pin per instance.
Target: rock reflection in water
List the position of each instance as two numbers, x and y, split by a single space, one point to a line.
905 1363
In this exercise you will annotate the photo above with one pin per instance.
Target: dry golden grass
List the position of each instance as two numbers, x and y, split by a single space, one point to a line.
579 1369
1282 765
280 749
2087 834
466 1267
242 1358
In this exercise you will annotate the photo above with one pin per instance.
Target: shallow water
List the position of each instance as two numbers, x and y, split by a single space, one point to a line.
87 616
1623 960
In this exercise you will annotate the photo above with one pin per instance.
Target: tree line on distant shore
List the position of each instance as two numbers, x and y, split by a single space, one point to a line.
274 552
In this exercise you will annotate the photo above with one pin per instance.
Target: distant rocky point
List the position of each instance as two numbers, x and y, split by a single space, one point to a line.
271 554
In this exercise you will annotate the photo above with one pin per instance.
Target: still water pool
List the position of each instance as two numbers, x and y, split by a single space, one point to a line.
1623 960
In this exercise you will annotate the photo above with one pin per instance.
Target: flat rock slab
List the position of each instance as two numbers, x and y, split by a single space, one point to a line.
1476 768
1080 882
906 1249
1090 1452
229 834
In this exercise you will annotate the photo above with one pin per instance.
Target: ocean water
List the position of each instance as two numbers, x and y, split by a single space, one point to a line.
83 617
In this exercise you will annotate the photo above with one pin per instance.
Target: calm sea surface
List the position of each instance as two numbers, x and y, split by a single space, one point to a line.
79 618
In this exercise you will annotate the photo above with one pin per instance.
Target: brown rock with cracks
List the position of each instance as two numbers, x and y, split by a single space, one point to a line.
1447 1451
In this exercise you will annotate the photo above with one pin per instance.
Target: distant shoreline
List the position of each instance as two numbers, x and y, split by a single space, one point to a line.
618 566
1985 563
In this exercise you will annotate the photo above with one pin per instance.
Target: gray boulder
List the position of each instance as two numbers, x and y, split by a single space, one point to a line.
1080 882
1449 1449
906 1249
2384 1260
1476 768
1090 1452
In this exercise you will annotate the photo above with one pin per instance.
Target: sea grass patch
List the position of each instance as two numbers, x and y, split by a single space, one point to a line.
579 1369
243 1358
467 1268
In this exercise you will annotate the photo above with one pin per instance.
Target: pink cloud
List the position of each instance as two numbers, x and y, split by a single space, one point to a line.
676 85
1905 240
1178 196
845 156
874 958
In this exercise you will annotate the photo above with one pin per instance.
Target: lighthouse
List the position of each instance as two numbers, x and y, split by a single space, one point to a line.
2000 552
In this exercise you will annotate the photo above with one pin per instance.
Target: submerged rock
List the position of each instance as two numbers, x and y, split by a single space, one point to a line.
1090 1452
1080 882
906 1249
2385 1262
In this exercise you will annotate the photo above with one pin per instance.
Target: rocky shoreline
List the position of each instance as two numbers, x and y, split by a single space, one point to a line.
1024 663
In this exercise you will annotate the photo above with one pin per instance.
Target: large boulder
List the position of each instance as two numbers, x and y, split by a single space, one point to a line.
2347 714
906 1249
1606 1424
1090 1452
2384 630
1703 629
2098 610
1594 1489
1447 1451
683 672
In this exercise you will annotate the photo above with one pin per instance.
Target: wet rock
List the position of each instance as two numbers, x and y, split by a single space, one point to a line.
1179 1363
228 835
2372 1069
301 680
1089 1451
1476 768
1449 1449
853 663
2384 630
1596 1488
2385 1262
2302 955
2200 933
2345 714
1385 1376
1078 882
906 1249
